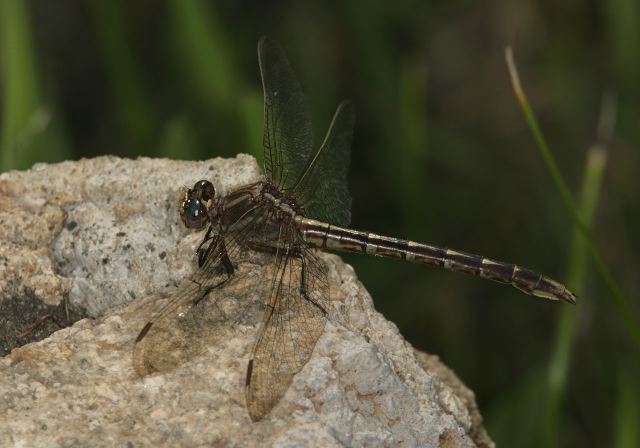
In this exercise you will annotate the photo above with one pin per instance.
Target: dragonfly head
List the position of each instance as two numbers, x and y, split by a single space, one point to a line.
197 205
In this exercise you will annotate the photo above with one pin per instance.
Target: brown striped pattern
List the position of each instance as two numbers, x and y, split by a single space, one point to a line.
326 236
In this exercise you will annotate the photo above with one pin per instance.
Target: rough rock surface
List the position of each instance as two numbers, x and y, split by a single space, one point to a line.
103 236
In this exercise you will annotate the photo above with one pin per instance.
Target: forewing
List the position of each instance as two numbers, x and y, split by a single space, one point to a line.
288 137
172 335
189 321
292 325
322 187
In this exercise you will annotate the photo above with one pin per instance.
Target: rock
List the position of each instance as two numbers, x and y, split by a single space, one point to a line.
81 237
102 237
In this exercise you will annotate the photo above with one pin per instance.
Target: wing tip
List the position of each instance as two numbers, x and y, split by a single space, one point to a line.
144 331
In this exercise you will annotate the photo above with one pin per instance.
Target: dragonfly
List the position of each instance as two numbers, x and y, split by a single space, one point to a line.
300 207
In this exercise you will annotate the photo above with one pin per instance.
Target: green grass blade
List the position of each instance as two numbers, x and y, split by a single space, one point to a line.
557 373
627 430
206 51
20 85
211 74
618 299
124 73
32 130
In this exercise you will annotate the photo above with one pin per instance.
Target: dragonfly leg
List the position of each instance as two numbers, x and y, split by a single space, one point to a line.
203 253
215 243
296 253
226 261
226 265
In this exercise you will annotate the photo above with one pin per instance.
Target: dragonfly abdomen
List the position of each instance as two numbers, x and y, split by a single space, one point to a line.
326 236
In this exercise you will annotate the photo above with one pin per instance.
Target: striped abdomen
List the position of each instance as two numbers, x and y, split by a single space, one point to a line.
330 237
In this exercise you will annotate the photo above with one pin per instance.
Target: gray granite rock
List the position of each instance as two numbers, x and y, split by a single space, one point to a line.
102 237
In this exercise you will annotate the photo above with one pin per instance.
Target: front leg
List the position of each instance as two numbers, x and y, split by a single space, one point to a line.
203 253
216 242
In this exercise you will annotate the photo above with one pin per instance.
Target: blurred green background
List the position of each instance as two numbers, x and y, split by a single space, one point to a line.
441 155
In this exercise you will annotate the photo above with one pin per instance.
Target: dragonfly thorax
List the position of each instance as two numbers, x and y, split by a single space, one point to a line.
286 204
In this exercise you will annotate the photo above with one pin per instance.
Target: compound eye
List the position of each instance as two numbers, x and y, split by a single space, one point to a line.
194 213
204 189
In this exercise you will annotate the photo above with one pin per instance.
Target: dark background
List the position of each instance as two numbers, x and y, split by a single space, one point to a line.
442 155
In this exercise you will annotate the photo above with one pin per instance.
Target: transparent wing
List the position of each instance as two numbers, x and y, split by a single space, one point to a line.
318 179
295 316
322 187
288 136
189 322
